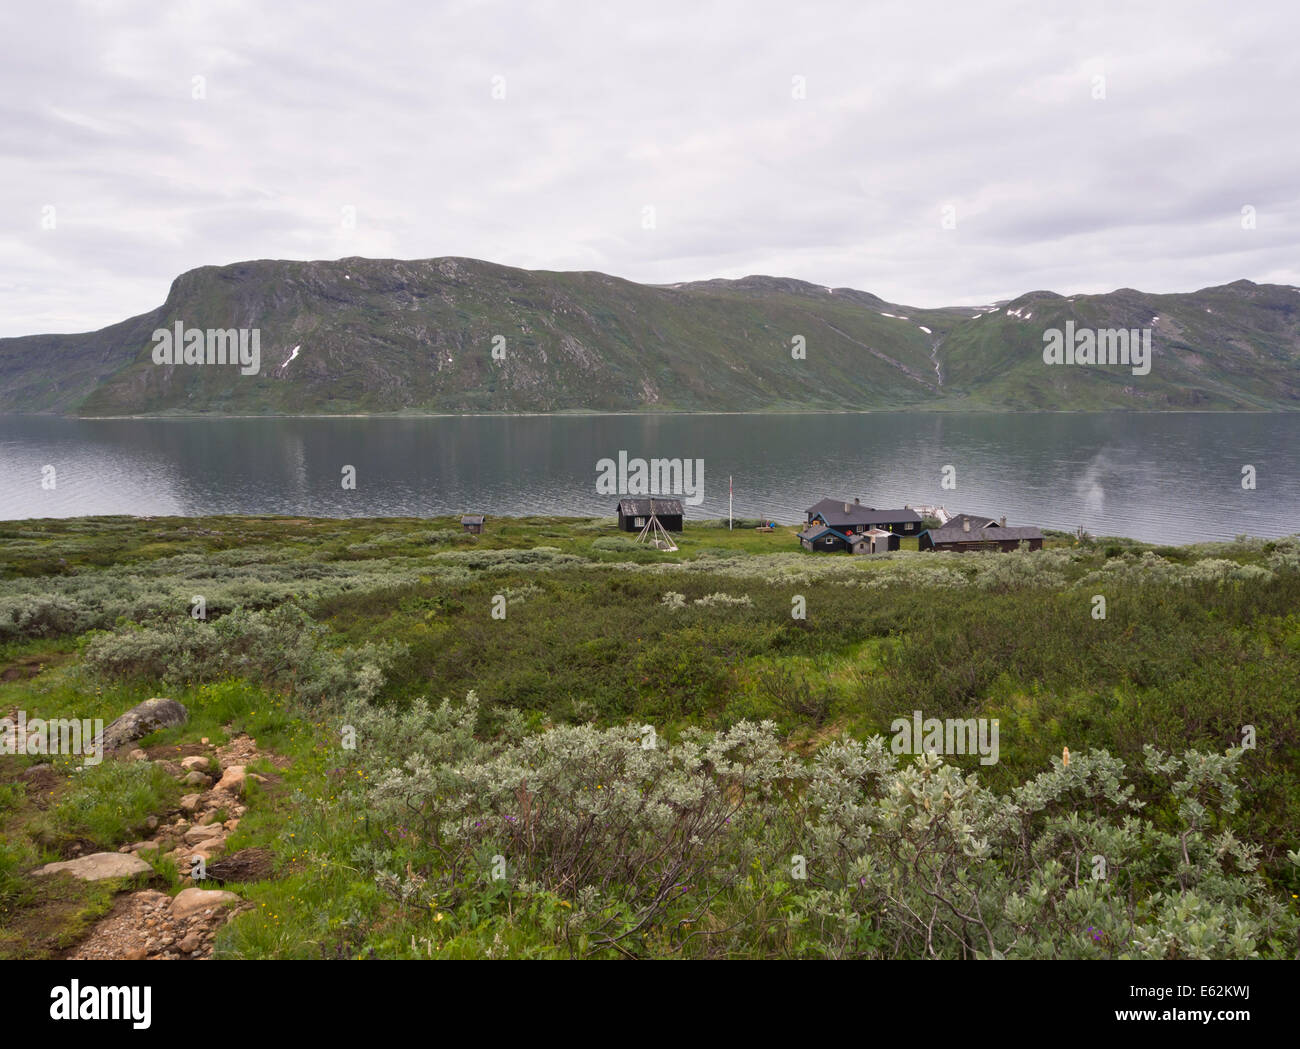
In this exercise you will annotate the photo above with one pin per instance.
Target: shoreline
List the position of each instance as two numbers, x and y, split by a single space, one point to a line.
705 525
585 414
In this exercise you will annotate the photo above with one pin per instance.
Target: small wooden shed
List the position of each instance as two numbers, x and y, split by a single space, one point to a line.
874 541
634 514
472 523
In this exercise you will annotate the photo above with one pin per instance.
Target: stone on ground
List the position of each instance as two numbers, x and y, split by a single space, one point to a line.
192 901
98 866
232 780
142 719
203 832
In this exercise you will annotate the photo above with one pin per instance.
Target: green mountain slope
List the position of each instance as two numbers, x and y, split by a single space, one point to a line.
1236 346
367 335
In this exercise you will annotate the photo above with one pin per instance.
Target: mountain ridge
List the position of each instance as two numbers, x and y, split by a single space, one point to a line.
385 336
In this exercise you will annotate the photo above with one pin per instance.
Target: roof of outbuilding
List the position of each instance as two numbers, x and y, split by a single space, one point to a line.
976 521
472 519
947 534
642 507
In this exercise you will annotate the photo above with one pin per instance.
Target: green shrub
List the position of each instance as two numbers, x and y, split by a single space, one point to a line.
588 813
42 615
933 865
1081 861
615 542
282 648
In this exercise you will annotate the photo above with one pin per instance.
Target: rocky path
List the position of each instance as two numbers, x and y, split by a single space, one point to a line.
151 925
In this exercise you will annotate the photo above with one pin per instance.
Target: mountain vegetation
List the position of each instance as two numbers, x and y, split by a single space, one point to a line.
459 335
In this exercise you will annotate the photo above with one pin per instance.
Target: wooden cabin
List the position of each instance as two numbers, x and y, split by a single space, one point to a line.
976 521
634 513
969 532
847 517
472 523
817 537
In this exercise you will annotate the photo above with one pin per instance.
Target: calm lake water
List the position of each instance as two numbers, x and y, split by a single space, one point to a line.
1163 478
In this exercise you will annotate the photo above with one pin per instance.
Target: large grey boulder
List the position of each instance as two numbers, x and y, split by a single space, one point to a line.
98 866
142 719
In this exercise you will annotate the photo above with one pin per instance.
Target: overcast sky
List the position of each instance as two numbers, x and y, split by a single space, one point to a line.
309 109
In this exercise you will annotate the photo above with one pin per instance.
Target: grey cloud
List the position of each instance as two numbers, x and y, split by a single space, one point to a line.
685 105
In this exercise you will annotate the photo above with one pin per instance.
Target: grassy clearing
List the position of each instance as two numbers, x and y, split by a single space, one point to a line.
107 805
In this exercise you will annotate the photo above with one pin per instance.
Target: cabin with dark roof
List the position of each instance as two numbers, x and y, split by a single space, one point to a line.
472 523
970 532
976 521
818 537
634 513
855 518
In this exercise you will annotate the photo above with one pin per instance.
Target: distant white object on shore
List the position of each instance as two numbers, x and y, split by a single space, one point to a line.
937 512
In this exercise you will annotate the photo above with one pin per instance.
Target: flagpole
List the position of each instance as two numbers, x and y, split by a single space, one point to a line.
729 493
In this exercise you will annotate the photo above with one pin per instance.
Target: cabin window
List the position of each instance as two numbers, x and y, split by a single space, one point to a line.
638 522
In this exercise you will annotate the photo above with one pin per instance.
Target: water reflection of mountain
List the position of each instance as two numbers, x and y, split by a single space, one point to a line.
1163 477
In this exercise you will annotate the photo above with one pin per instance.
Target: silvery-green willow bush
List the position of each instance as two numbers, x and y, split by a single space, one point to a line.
1151 568
59 605
924 862
624 827
282 648
727 844
257 577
